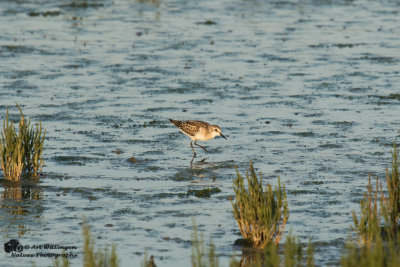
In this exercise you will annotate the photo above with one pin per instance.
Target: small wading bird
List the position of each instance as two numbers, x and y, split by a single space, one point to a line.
198 131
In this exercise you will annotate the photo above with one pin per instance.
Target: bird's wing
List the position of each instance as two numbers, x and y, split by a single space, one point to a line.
190 127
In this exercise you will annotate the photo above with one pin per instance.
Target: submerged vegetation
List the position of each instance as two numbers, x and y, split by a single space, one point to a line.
203 193
21 151
260 214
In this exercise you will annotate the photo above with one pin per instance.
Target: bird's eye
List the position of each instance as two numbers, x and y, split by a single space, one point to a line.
216 130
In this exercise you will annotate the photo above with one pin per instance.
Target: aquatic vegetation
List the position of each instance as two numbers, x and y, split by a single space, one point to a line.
261 215
268 256
11 151
293 255
61 262
203 193
136 160
379 254
99 258
150 2
132 159
378 246
84 4
21 151
209 22
91 258
45 13
33 145
394 96
148 262
198 258
390 206
310 255
367 226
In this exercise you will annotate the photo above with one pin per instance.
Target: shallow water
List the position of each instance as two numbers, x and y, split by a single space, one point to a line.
308 90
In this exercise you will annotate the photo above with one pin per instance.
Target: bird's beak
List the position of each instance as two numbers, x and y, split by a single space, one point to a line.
222 135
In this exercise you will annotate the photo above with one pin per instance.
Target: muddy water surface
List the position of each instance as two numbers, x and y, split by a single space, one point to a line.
309 90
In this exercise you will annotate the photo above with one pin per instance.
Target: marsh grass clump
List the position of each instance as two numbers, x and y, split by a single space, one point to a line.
99 258
91 257
383 254
390 205
378 245
293 252
11 151
33 145
368 226
21 151
260 214
199 258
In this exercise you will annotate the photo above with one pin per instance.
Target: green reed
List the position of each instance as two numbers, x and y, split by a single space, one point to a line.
367 226
61 262
99 258
91 256
293 252
198 258
377 245
148 262
390 205
11 151
382 254
260 214
33 140
21 151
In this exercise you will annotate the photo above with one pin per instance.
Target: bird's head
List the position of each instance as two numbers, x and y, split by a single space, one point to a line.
216 130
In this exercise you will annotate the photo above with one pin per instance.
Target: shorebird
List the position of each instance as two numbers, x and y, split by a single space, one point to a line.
198 131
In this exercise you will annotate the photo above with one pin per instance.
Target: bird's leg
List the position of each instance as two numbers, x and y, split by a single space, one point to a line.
194 152
200 146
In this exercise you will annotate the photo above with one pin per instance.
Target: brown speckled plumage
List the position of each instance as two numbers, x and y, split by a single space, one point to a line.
190 127
198 131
